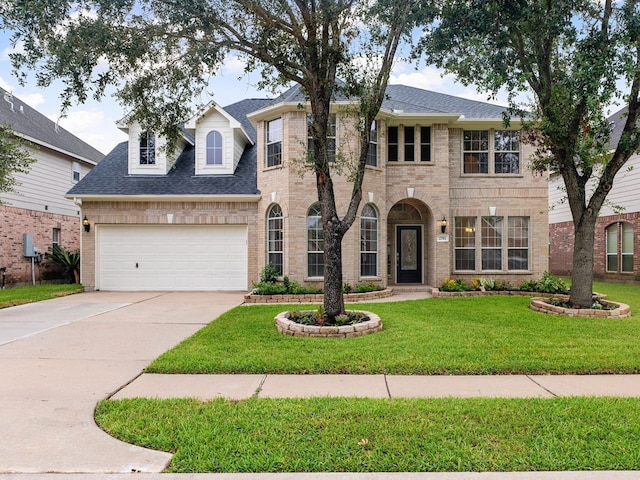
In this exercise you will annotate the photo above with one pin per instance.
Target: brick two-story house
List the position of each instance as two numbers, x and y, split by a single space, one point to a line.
447 193
38 207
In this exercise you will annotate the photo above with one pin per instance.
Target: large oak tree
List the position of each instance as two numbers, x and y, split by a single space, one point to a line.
160 55
572 55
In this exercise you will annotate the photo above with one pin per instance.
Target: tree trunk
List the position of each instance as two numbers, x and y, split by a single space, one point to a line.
333 299
582 274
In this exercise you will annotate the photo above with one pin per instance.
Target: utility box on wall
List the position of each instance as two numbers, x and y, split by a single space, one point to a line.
27 242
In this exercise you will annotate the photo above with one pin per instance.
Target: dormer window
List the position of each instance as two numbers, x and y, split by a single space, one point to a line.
147 149
214 148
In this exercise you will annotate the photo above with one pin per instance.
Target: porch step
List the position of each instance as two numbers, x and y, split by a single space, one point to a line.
411 288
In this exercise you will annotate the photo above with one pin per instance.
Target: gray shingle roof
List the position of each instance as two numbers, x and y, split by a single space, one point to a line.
29 122
110 176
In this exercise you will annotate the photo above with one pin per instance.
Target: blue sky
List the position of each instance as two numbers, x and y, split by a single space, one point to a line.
94 122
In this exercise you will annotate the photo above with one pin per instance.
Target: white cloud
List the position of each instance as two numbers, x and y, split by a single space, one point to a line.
92 126
233 65
34 100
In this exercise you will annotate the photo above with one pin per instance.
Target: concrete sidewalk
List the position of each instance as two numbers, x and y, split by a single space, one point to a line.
239 387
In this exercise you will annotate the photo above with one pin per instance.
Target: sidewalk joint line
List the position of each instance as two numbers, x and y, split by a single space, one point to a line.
122 387
542 387
386 384
259 389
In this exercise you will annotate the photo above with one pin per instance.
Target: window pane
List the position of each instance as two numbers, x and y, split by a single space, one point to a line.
372 152
368 241
612 263
465 243
392 144
476 151
507 151
612 239
518 243
409 141
627 238
275 238
214 148
147 149
274 142
492 243
425 144
315 242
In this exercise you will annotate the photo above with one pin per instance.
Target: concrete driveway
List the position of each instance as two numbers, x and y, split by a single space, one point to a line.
59 357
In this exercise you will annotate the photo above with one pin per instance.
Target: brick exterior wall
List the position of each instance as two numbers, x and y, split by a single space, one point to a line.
14 222
561 248
155 213
439 189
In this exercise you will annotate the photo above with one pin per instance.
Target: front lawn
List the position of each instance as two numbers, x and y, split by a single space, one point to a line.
10 297
373 435
479 335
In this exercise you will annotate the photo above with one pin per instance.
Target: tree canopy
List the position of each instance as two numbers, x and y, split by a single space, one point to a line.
578 58
160 55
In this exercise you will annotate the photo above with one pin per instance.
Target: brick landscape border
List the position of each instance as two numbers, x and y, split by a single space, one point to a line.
288 327
621 310
315 297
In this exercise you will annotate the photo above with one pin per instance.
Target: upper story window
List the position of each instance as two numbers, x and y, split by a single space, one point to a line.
504 149
392 144
331 136
274 142
476 151
75 171
507 151
409 144
372 152
425 144
214 148
412 136
147 149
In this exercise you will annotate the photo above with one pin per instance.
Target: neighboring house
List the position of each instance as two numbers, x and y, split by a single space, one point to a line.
447 193
617 235
38 206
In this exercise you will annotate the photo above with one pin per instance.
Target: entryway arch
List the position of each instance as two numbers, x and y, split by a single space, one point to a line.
409 243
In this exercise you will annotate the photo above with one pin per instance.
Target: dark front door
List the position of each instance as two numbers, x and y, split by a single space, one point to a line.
409 254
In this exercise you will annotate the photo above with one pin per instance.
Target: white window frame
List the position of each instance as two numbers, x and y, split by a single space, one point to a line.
369 239
147 149
315 237
273 149
214 153
275 237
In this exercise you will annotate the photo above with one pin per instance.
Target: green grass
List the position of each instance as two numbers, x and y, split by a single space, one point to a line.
373 435
475 335
10 297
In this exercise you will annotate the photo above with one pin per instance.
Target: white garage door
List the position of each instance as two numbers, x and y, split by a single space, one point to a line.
171 257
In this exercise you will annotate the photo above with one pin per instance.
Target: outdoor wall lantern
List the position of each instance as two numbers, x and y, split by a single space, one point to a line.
443 224
86 224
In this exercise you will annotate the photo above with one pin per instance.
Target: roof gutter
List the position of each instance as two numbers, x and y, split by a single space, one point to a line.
52 147
163 198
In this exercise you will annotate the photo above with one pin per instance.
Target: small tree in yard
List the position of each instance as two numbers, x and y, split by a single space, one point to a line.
14 157
571 54
160 54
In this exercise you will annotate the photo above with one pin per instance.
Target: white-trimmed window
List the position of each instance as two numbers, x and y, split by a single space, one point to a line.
75 171
392 144
465 243
491 237
507 151
214 148
315 242
409 144
331 136
619 237
55 240
476 151
274 142
372 152
368 241
147 149
275 237
518 243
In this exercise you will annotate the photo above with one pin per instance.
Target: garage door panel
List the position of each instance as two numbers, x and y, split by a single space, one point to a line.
175 257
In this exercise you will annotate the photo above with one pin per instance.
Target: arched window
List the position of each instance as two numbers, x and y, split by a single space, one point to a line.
368 241
275 237
214 148
619 237
315 242
147 149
